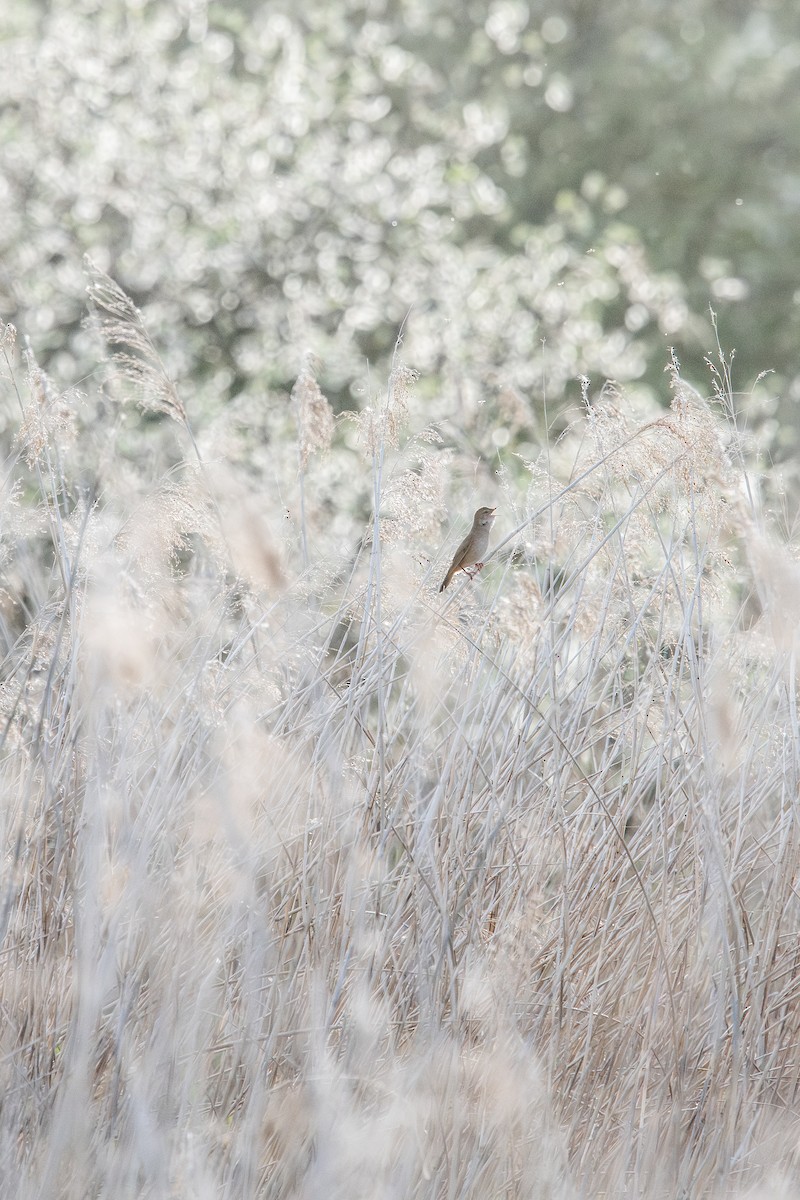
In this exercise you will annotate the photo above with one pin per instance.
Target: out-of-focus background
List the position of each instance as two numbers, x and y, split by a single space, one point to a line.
542 189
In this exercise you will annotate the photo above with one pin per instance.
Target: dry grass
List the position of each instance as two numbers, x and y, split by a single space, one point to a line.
319 884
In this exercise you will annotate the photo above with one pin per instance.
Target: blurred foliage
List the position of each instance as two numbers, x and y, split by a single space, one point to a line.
541 192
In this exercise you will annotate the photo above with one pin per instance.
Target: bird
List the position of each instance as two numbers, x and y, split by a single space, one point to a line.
471 551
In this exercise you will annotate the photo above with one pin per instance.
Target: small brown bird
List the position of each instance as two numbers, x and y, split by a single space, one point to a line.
471 551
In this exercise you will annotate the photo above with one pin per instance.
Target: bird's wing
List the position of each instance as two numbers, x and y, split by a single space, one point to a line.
461 553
